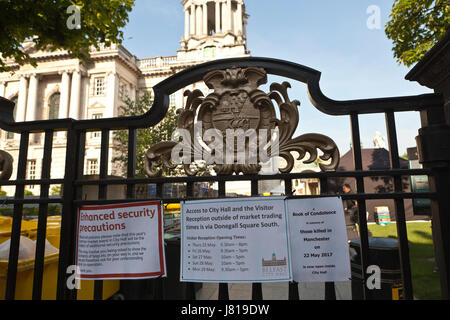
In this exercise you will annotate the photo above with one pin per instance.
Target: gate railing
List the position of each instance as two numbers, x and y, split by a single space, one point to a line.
429 105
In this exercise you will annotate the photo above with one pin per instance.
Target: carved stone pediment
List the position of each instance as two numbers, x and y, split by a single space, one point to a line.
236 105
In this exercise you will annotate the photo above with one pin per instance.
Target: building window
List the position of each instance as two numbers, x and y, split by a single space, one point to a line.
31 171
209 52
97 134
92 167
173 102
99 86
53 106
123 91
10 135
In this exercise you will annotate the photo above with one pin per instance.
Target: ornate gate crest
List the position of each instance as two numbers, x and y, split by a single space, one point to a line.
238 107
6 165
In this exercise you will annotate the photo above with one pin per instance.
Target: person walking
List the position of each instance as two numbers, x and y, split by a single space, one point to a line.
351 214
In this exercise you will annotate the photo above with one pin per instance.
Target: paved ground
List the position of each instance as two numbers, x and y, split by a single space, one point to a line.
275 291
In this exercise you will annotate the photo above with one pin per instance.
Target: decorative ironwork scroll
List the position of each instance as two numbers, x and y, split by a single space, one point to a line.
237 106
6 165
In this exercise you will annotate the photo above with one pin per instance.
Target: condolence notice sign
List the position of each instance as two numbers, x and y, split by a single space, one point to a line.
319 247
122 241
235 240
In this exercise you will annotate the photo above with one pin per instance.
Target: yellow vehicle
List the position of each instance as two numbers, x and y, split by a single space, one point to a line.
25 267
171 215
172 208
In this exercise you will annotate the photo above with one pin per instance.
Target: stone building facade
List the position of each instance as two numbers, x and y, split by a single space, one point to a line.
63 87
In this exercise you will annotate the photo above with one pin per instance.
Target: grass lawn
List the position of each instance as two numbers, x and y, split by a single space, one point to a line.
425 282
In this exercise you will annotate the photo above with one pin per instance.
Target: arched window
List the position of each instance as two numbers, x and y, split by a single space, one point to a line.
53 106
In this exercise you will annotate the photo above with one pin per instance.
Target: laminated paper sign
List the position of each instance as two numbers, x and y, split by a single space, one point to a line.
121 241
235 240
319 246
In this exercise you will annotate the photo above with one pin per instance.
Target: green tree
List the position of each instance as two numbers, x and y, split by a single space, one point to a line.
50 25
145 137
56 190
415 26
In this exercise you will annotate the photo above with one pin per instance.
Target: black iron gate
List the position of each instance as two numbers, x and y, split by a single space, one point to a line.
429 105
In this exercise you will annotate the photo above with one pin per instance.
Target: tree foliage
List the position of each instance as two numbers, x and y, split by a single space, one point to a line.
45 23
145 137
415 26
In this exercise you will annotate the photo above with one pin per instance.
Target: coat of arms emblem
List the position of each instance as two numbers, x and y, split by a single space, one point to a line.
238 112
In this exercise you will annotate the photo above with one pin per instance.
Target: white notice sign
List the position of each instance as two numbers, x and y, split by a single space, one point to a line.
122 241
319 246
235 240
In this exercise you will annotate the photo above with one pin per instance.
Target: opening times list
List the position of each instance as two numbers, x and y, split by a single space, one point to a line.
226 254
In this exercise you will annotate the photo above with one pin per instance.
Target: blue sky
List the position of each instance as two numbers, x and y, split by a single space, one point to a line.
327 35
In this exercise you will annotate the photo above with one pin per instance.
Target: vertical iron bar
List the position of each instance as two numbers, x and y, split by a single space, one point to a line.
102 195
69 217
399 208
257 293
159 284
330 290
288 187
42 218
293 286
362 220
80 169
79 189
189 190
254 188
221 189
130 193
223 287
190 286
131 164
104 158
17 219
159 190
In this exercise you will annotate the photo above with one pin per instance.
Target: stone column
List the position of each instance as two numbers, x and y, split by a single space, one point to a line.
199 20
22 100
192 20
65 94
225 18
222 17
230 16
112 95
64 100
2 94
186 24
240 19
75 95
205 19
32 98
218 27
2 89
132 92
